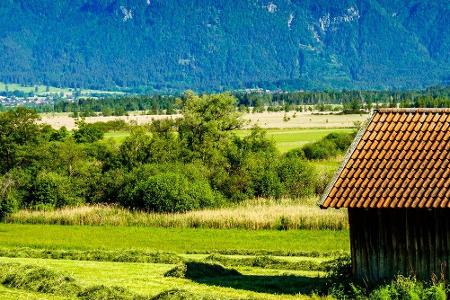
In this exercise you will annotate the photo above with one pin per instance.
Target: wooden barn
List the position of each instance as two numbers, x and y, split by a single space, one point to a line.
395 183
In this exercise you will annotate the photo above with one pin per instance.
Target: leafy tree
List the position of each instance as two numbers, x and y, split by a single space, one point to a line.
87 133
52 190
207 125
17 128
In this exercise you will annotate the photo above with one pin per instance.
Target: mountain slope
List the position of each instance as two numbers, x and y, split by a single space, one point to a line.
217 44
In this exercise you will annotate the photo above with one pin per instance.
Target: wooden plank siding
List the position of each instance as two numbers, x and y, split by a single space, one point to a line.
388 242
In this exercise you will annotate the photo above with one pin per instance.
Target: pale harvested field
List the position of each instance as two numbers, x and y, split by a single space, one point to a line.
264 120
59 120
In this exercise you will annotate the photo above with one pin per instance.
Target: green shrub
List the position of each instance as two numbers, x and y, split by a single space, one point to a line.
341 140
87 133
297 177
9 200
322 149
404 288
295 153
171 187
330 146
52 189
173 192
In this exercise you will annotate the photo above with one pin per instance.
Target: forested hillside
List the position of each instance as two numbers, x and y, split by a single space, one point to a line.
220 44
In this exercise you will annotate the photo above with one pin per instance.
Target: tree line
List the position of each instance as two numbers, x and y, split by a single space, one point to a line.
256 101
166 166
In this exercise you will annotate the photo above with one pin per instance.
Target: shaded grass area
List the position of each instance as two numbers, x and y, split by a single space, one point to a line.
216 275
253 214
268 262
178 240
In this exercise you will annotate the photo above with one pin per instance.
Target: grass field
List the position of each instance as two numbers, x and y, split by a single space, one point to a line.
285 139
191 244
290 138
149 280
178 240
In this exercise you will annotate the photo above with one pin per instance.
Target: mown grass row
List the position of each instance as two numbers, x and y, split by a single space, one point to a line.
138 256
43 280
253 215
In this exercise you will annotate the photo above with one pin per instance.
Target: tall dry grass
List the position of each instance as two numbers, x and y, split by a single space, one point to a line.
255 215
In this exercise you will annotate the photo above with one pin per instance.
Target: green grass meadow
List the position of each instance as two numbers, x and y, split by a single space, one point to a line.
285 139
288 139
178 240
148 279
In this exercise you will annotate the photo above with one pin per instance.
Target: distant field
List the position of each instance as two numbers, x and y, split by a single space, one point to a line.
264 120
290 138
42 89
285 139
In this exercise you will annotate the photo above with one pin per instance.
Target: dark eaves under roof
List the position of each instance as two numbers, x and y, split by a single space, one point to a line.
400 160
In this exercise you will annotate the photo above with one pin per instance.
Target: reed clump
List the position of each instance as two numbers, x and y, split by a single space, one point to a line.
260 214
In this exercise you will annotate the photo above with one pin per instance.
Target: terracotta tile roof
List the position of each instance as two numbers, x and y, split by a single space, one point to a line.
401 160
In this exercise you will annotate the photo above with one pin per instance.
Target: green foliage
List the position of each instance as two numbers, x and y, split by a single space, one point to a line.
330 146
169 190
298 178
18 129
409 289
188 163
53 190
207 125
9 201
87 133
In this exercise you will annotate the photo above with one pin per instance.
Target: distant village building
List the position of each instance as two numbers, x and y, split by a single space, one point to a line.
395 183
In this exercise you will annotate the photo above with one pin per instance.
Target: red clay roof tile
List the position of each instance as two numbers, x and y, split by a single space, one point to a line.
401 160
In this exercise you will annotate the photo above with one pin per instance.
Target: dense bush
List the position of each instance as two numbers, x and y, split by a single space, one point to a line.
297 176
341 286
172 192
403 288
330 146
172 187
8 198
52 190
87 133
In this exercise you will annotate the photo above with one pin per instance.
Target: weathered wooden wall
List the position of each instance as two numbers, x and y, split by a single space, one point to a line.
387 242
